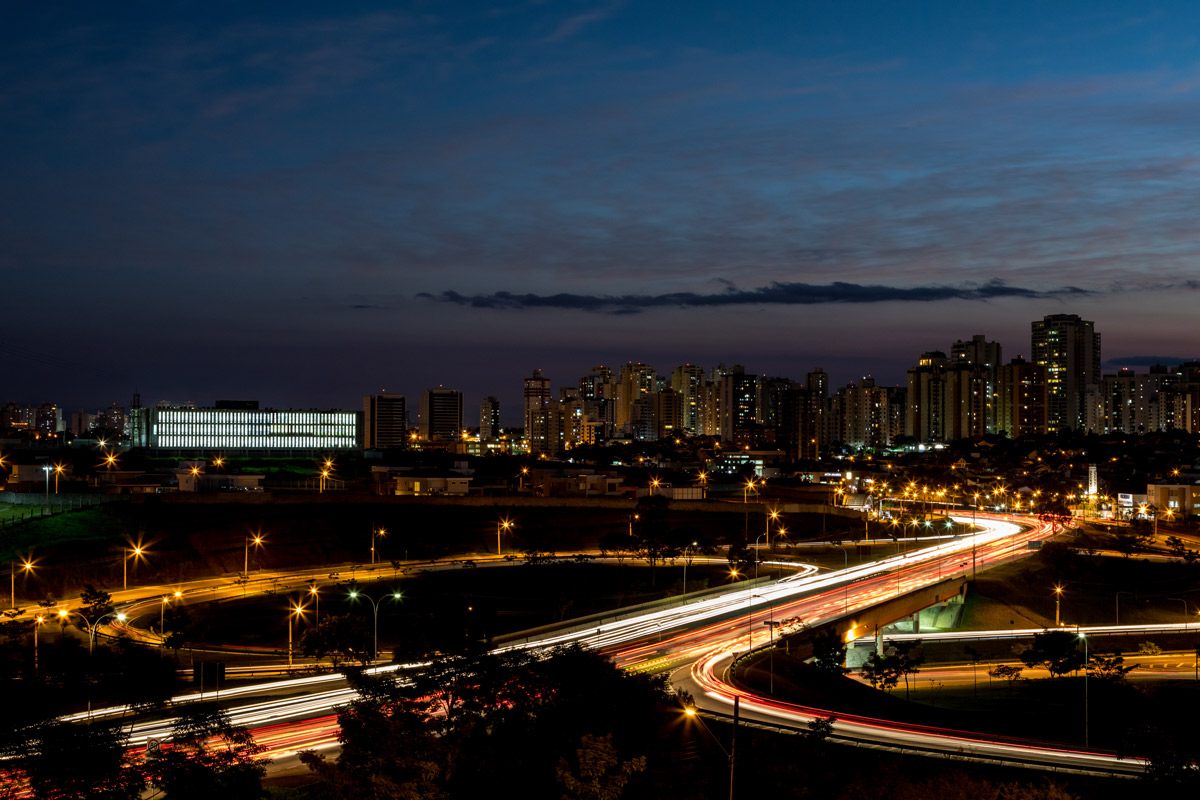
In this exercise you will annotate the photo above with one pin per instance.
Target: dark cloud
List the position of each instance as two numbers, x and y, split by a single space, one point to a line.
775 293
1144 361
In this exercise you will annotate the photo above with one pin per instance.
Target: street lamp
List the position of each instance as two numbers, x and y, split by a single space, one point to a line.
258 540
690 711
37 623
505 524
58 470
686 550
375 533
92 626
1058 590
130 552
354 595
316 595
27 567
294 610
1083 637
773 515
46 469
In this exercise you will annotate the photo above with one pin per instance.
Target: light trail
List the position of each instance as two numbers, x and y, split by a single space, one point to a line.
707 632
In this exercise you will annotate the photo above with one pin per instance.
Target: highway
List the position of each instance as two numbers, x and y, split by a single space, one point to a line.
696 642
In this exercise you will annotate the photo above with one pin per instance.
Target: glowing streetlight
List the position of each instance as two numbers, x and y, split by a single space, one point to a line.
502 526
316 596
354 595
375 534
26 567
258 540
1058 590
130 552
92 626
295 610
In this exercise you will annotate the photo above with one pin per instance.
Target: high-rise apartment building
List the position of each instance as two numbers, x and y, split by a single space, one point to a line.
537 399
739 402
925 417
385 421
489 419
865 419
1069 348
982 359
441 415
637 381
1021 399
687 382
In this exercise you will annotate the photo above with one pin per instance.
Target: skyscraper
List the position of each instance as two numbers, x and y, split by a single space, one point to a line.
385 421
441 414
489 419
537 404
1069 348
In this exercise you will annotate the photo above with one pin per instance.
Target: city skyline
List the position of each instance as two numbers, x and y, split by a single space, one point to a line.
306 206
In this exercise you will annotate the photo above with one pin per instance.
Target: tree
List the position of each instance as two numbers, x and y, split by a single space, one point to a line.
1149 649
882 672
911 656
66 760
1109 668
819 730
829 652
177 627
208 756
1012 674
1178 548
340 637
599 773
616 545
652 539
96 602
1055 651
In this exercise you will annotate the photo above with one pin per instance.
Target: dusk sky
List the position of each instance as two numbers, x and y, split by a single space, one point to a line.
306 203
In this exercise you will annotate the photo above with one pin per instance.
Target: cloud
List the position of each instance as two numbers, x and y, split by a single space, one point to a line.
776 293
571 26
1144 361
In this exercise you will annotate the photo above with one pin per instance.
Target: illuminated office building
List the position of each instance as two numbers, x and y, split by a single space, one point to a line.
243 426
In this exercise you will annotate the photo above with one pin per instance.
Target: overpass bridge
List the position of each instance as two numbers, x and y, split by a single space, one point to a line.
871 620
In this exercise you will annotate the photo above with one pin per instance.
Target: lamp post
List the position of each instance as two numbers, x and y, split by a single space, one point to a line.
258 540
504 525
1057 602
37 623
774 514
130 552
685 563
1118 603
1083 637
295 610
27 567
92 626
354 595
690 711
316 595
374 534
162 618
46 469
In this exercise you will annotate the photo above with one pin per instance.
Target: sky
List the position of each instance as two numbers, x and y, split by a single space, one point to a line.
303 203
